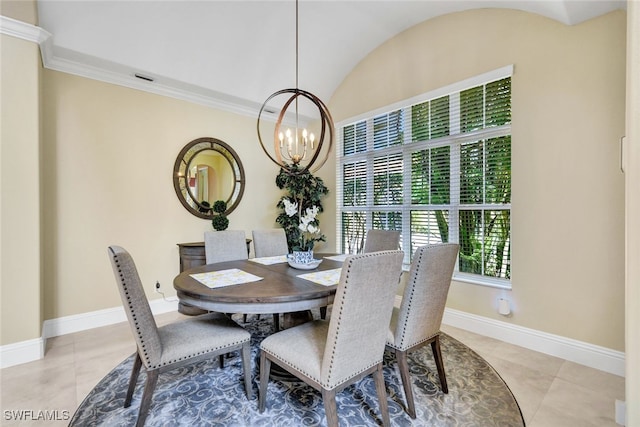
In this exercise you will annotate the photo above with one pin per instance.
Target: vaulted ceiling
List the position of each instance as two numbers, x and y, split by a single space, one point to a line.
233 54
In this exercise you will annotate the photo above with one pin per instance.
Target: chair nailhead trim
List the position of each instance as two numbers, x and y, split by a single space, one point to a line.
411 295
125 287
145 352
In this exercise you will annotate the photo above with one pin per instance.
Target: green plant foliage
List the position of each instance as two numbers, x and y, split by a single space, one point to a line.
220 221
307 191
220 206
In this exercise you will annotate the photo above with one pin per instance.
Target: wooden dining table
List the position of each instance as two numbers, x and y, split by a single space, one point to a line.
279 290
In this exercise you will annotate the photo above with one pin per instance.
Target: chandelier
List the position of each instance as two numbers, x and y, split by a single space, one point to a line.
295 149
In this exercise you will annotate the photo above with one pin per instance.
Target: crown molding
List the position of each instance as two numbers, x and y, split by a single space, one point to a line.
196 95
172 89
122 76
22 30
58 59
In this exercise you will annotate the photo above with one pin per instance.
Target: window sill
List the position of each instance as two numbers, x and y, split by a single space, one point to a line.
491 282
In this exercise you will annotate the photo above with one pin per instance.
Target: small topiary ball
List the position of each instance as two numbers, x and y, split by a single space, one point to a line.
220 206
220 222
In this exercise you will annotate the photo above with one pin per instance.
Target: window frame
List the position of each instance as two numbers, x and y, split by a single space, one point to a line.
406 149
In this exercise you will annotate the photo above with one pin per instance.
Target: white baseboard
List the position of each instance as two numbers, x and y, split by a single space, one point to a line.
591 355
21 352
576 351
95 319
28 351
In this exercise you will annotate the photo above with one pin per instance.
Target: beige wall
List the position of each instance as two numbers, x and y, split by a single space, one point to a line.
20 285
22 10
97 136
632 192
568 192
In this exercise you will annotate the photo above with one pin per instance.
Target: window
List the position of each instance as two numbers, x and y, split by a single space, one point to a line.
438 169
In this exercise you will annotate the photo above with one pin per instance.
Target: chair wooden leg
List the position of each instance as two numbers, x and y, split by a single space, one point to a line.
276 322
330 408
265 369
221 360
323 312
133 380
149 387
382 395
437 355
246 369
403 365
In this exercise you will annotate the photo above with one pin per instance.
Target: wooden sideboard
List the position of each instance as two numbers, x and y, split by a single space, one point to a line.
192 254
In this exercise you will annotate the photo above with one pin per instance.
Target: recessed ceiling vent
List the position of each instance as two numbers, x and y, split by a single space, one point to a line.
143 77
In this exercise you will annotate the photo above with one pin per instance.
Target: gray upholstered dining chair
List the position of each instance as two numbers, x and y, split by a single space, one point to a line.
381 240
417 321
174 345
272 242
331 354
266 243
376 240
225 245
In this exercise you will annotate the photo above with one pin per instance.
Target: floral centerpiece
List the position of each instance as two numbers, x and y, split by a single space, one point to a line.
300 207
309 230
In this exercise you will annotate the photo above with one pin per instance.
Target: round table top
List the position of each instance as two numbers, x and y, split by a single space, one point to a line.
279 291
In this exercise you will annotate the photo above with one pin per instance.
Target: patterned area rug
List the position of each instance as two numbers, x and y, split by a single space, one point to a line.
205 395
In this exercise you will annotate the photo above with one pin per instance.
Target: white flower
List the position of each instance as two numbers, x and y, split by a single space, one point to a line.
290 208
309 216
309 232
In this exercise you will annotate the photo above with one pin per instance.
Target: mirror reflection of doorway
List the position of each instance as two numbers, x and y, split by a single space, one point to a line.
202 184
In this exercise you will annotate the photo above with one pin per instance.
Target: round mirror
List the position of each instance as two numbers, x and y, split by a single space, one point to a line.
205 171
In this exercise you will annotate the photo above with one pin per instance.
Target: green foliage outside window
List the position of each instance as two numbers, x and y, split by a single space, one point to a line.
458 157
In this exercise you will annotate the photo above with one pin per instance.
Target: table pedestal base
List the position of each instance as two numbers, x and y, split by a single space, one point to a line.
190 310
289 320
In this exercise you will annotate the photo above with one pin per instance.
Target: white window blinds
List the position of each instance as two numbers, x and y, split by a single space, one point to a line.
438 169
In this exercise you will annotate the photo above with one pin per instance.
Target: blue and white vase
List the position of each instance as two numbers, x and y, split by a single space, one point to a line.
302 257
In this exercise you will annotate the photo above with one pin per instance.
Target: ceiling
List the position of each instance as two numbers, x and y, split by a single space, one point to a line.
234 54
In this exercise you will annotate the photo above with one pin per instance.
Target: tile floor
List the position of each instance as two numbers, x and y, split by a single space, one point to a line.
551 391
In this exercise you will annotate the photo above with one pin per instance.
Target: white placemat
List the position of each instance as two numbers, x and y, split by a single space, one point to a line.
340 257
221 278
268 260
325 277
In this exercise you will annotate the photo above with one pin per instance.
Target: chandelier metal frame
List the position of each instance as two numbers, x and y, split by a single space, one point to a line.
299 163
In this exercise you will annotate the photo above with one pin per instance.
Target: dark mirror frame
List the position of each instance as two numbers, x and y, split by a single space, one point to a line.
181 169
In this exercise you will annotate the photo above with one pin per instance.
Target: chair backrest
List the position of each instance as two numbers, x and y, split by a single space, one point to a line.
425 294
225 245
271 242
361 314
381 240
136 306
